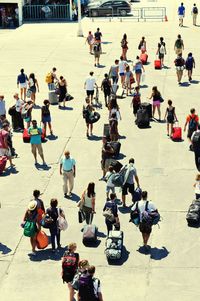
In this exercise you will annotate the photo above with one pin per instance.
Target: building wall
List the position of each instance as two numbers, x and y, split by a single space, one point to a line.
20 5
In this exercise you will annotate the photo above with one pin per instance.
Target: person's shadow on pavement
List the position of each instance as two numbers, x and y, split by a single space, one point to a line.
4 249
155 253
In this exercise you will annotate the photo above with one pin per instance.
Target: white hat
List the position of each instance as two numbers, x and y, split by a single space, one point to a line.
32 205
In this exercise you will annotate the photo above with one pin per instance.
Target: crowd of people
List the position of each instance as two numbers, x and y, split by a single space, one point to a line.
124 75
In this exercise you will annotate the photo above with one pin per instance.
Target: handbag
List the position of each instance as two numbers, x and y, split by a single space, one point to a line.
68 97
12 111
61 221
81 216
109 215
46 221
28 93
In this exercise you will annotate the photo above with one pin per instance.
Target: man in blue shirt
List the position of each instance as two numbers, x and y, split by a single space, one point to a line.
181 14
68 170
35 133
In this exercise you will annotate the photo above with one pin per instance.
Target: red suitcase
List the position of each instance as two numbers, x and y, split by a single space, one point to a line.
157 64
26 136
177 133
3 161
144 58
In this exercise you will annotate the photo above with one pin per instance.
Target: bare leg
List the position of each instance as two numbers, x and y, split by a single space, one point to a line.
124 200
21 93
159 113
91 128
168 129
71 292
50 128
154 108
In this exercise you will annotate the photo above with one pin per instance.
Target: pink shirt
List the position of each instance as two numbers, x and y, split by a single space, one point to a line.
3 135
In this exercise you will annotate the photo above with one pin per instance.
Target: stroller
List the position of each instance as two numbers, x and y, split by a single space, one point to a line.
97 103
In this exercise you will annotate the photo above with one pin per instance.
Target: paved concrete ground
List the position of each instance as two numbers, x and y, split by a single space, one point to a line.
166 169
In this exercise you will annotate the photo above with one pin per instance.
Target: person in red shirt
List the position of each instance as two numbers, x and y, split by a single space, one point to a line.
4 148
192 121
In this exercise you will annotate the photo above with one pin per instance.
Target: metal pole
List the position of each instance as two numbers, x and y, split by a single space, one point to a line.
70 10
80 31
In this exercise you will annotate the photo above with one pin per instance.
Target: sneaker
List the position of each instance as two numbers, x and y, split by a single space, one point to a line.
70 194
33 253
65 195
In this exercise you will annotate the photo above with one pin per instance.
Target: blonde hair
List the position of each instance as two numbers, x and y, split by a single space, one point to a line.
72 246
198 177
83 264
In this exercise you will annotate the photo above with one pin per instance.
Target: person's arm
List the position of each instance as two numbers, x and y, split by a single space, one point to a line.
137 180
182 45
18 82
93 205
60 168
166 114
36 82
100 296
151 96
185 125
175 115
74 170
193 63
5 142
41 114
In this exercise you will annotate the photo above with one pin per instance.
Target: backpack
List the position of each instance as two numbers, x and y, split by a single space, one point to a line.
170 115
69 266
96 47
86 288
196 141
30 228
106 84
195 10
135 215
48 78
108 214
189 63
162 49
151 218
178 43
45 110
136 99
192 124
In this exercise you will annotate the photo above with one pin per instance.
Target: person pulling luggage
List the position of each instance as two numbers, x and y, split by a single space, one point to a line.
87 203
110 212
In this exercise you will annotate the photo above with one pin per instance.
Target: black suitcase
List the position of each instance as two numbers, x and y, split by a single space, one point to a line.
148 107
116 165
106 130
143 120
193 215
116 145
90 234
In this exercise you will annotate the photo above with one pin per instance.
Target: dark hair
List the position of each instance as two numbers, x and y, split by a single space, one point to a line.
91 72
121 58
36 193
116 61
98 28
34 121
22 71
112 196
124 36
61 77
179 36
91 270
181 3
46 102
114 115
32 75
113 104
137 57
110 168
90 189
137 88
143 38
169 102
127 68
190 54
5 124
131 160
54 203
106 75
54 69
161 39
144 195
192 111
155 90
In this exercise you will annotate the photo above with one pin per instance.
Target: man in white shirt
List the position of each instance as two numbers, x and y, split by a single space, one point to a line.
122 69
145 228
89 86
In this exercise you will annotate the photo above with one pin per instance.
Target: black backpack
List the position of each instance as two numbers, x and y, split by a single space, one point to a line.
196 141
86 288
106 84
96 47
192 124
195 10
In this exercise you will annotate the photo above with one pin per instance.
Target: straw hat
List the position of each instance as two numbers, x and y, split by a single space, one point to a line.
32 205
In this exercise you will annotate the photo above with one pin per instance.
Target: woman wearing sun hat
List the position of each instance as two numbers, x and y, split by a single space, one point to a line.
30 218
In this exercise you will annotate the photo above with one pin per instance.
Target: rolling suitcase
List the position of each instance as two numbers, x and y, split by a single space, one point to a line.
106 130
147 106
144 58
157 64
89 234
53 98
143 120
114 245
116 145
27 137
3 161
177 133
193 215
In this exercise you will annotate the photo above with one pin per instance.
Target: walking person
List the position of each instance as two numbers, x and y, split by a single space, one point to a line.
128 80
108 178
192 121
195 139
46 116
40 205
97 52
106 155
2 106
179 45
70 263
124 46
194 14
33 86
170 116
87 203
35 133
31 217
112 218
142 45
197 187
97 37
113 123
88 113
113 73
138 68
17 120
157 98
136 101
180 66
68 171
4 143
91 291
189 65
161 51
181 14
129 179
144 226
27 115
62 84
89 86
53 211
51 79
122 68
22 84
106 88
90 41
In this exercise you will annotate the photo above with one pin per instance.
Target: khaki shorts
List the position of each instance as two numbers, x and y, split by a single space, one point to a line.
178 50
35 147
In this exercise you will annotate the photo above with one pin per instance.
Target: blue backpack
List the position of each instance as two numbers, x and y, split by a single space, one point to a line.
193 124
